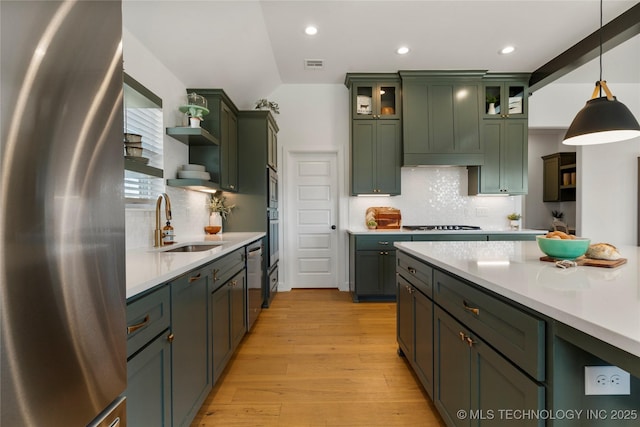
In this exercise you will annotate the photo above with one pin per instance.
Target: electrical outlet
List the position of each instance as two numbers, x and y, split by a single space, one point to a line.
606 380
482 211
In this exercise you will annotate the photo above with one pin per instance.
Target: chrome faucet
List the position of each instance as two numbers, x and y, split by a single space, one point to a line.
158 235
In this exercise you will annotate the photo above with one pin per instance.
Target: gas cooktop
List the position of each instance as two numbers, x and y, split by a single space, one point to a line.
441 227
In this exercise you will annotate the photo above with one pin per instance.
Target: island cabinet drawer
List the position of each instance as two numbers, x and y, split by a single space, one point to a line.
518 335
380 242
147 317
416 272
226 267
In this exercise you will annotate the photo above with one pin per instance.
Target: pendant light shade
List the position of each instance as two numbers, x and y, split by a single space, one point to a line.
602 120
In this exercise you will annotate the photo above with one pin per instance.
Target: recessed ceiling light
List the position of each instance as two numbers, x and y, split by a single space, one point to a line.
507 50
311 30
403 50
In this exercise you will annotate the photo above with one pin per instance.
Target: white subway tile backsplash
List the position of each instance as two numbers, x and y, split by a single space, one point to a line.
438 195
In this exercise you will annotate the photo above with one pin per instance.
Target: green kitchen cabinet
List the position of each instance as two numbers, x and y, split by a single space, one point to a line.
375 133
505 137
149 385
149 339
441 117
470 375
374 96
221 160
415 317
228 294
372 267
191 354
375 157
509 94
459 236
505 160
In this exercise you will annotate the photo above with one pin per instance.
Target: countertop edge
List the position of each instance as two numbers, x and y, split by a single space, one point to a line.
172 265
364 232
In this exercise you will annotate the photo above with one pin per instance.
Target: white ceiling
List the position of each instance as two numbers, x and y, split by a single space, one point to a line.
249 47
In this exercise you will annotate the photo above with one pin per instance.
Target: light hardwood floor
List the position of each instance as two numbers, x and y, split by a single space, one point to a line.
314 358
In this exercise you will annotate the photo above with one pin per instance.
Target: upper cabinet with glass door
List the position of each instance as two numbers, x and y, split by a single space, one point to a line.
506 96
374 96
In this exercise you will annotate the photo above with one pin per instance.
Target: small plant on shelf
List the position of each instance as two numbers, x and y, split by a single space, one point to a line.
264 104
491 99
514 216
557 215
371 224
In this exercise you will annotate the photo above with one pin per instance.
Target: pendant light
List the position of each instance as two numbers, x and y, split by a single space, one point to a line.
603 119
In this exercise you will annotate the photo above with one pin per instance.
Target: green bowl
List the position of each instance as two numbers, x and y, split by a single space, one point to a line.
563 248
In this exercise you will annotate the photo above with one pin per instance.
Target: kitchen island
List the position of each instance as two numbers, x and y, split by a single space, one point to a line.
510 332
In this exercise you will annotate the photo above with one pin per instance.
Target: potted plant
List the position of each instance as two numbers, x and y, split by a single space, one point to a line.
371 225
264 104
218 211
514 220
557 215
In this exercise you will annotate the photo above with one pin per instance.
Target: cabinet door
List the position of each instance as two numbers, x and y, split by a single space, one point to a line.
149 385
551 179
272 148
496 384
515 156
221 329
388 157
405 317
423 314
228 149
369 271
388 277
191 362
375 100
505 100
238 286
505 157
363 157
452 360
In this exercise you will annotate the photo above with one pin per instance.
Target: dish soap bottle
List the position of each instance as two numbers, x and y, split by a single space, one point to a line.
167 234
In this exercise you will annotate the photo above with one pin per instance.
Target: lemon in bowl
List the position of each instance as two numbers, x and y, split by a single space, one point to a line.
563 248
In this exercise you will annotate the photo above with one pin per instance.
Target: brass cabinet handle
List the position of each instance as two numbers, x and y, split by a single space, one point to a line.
131 329
170 337
462 336
233 283
215 272
194 278
473 310
470 342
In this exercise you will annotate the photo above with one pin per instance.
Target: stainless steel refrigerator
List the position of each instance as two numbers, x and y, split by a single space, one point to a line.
62 252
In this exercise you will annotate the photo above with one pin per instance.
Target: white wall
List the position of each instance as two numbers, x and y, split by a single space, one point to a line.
188 207
607 178
538 213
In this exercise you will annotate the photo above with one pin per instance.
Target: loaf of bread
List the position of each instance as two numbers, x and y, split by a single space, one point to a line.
603 251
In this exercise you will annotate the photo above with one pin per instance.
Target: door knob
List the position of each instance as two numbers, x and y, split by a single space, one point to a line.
333 227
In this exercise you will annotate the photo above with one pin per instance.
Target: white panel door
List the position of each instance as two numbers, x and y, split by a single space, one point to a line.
312 252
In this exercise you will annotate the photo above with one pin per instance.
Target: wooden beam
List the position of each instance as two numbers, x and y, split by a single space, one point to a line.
614 33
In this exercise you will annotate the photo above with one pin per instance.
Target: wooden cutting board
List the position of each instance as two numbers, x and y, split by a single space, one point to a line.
591 262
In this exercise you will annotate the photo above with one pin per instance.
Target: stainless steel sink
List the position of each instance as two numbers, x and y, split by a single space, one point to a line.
193 247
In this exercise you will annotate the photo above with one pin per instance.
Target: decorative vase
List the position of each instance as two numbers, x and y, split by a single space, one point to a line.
515 224
194 122
215 223
492 108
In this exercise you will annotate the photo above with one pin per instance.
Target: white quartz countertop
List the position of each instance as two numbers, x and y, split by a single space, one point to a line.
365 231
147 268
601 302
